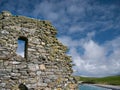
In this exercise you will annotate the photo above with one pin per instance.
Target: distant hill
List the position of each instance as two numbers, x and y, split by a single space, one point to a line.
110 80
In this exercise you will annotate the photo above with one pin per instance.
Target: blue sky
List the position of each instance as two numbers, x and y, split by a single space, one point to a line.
90 29
21 48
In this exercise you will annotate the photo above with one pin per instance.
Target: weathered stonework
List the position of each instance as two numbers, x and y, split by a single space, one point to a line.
45 66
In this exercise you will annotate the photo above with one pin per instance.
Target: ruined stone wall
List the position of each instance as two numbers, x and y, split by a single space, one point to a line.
45 67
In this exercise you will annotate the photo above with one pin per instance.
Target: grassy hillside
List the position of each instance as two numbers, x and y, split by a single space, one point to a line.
111 80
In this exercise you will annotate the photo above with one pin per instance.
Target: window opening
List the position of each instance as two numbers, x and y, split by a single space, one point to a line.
22 87
22 47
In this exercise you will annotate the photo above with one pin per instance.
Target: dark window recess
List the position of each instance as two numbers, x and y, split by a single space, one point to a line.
22 46
22 87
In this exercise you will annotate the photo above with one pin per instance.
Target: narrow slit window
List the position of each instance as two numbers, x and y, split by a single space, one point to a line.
22 47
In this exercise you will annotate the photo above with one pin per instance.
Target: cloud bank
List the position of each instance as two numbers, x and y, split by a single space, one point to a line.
96 60
90 29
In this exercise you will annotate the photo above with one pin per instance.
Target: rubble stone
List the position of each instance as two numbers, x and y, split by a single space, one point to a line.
45 65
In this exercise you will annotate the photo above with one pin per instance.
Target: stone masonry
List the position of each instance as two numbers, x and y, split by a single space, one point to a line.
45 65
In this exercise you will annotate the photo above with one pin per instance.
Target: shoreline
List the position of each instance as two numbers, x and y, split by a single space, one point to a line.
108 86
104 86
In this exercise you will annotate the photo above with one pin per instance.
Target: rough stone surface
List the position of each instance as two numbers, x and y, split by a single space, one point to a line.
45 65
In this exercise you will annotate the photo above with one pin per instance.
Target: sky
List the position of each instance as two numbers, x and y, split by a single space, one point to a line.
21 48
90 29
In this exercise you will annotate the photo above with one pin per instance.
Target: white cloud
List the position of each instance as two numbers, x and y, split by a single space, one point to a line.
21 53
97 60
93 50
76 28
90 35
68 41
21 48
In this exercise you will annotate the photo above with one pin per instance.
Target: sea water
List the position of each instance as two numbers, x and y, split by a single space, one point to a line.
91 87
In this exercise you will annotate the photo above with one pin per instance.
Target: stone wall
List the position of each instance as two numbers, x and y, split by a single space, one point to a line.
45 67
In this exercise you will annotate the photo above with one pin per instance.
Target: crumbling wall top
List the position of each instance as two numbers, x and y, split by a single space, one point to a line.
6 14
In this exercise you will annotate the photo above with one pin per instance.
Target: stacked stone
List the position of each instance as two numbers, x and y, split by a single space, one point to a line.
45 67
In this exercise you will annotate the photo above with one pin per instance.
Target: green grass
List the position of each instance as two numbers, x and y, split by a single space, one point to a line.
111 80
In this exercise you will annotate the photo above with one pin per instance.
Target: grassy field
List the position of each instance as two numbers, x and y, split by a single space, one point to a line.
111 80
